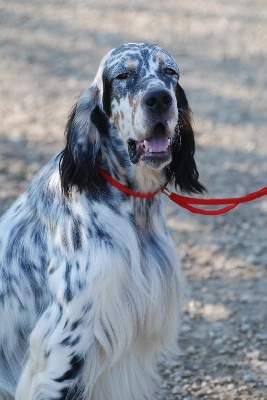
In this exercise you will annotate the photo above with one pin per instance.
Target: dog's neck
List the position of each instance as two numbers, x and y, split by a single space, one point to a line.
146 179
147 211
139 178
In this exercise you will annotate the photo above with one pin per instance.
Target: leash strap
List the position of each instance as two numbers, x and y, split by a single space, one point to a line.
187 202
229 203
125 189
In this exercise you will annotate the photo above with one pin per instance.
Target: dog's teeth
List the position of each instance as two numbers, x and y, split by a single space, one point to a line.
150 151
169 141
145 144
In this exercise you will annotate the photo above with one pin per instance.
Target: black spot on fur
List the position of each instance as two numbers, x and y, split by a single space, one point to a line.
107 92
76 235
86 307
70 341
64 393
47 354
100 120
76 324
75 366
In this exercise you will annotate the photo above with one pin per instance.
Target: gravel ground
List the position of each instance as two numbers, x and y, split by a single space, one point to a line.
50 52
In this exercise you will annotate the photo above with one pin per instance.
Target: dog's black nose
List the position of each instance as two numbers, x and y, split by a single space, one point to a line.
158 101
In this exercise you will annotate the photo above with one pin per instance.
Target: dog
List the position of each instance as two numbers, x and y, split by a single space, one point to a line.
90 285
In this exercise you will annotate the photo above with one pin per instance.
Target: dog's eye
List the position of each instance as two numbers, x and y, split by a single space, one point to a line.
170 71
123 75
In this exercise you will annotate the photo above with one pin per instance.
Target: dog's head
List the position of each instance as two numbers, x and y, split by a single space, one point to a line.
137 91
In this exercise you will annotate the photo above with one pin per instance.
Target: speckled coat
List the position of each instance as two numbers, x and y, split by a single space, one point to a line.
90 285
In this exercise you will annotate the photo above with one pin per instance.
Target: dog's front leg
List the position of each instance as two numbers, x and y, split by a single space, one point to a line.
63 338
56 357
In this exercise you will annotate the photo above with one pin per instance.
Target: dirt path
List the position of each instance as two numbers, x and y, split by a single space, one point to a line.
49 54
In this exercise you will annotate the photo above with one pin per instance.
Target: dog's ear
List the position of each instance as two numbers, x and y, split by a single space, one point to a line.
183 171
78 161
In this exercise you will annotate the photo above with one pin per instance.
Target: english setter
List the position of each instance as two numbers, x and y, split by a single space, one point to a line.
90 286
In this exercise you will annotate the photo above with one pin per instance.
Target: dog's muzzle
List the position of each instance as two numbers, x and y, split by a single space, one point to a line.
153 151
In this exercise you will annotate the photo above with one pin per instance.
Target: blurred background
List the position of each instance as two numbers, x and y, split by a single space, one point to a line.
49 53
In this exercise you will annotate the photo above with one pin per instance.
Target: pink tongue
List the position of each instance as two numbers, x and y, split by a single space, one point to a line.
157 144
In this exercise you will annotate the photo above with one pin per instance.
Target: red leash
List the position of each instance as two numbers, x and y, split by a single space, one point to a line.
186 201
125 189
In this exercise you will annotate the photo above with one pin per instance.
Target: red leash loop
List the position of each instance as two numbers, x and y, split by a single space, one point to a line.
186 202
189 202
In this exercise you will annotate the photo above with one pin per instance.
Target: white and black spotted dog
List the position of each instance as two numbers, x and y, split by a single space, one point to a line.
90 286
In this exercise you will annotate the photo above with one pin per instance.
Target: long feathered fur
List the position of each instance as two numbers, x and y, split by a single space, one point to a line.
90 284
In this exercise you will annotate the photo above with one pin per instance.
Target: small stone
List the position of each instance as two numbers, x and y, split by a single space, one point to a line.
176 390
195 386
261 336
244 327
254 354
186 373
190 350
185 387
219 341
209 391
230 386
247 378
207 378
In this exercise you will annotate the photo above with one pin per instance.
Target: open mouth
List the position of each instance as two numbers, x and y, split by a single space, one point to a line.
154 151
